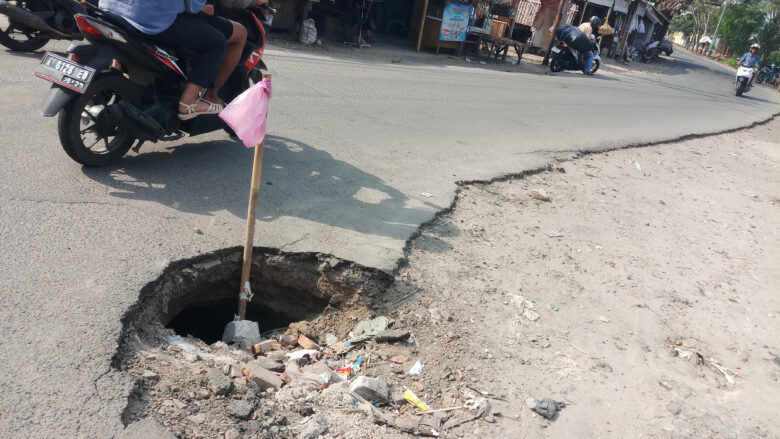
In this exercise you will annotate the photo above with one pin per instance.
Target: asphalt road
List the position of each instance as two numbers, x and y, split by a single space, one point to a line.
353 144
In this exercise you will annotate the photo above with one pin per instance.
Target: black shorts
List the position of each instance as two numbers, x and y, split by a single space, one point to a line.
204 34
222 24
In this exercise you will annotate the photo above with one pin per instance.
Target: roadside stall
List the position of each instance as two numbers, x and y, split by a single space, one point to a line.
482 26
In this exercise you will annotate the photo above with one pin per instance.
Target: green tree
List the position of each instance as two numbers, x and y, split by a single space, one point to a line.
769 35
683 23
741 25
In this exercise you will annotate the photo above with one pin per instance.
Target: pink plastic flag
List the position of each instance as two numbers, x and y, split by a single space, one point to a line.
247 113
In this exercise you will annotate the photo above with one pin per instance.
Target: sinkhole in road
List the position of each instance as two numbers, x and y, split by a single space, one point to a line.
199 296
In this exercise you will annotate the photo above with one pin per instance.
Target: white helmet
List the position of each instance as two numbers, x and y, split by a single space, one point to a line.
755 45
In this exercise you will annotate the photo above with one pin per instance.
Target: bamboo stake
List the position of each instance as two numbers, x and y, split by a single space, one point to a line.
251 218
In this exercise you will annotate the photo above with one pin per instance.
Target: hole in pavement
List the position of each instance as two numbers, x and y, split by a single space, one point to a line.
199 296
207 321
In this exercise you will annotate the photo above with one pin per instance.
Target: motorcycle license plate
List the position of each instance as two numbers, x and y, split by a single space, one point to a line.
556 50
65 72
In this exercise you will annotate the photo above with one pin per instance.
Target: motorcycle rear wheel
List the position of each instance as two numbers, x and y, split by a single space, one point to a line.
21 38
636 55
76 122
556 65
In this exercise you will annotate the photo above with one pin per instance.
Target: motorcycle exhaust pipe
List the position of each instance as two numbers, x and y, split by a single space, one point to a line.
29 19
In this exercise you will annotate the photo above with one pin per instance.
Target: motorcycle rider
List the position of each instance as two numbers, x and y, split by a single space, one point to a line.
590 29
184 23
751 59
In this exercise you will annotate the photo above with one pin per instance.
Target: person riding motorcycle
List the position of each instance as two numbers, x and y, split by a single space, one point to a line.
590 29
188 23
751 59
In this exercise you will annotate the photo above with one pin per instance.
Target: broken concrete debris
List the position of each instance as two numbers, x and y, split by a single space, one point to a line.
306 343
219 383
263 378
240 409
547 407
241 331
371 389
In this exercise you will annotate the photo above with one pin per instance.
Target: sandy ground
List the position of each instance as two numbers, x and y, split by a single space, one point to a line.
639 287
643 263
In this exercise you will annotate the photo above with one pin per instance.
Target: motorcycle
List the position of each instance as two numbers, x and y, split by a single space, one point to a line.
104 111
647 53
32 23
563 57
766 74
741 84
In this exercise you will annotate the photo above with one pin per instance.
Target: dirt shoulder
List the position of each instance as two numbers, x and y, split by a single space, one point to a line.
637 288
648 267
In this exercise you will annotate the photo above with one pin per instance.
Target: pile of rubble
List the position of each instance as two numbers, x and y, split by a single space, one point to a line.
289 386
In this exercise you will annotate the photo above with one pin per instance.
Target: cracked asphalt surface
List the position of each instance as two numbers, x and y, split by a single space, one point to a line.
353 144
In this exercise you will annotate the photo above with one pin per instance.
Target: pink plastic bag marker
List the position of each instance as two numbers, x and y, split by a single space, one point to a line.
246 115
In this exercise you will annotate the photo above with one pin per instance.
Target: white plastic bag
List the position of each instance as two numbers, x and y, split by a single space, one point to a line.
308 33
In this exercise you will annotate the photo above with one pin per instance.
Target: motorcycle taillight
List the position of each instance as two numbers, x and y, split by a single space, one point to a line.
75 58
85 26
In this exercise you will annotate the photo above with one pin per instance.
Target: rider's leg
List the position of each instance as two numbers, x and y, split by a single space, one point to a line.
229 62
194 32
588 61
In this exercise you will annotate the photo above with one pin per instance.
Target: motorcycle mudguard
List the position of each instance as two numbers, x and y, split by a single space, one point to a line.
97 57
56 99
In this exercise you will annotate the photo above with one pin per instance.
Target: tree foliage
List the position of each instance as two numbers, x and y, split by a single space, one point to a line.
741 25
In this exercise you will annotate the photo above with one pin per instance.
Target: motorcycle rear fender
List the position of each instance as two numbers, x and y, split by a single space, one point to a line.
95 56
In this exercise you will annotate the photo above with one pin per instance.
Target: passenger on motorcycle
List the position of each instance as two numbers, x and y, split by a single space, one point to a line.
186 23
751 59
589 29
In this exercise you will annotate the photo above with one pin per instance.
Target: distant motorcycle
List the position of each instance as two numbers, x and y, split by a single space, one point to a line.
767 74
563 57
647 53
741 84
32 23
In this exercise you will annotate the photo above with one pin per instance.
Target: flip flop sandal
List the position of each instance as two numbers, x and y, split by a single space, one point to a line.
191 113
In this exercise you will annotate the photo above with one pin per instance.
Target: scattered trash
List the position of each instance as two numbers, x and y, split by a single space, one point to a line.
398 359
554 234
525 308
604 319
637 166
356 365
722 370
646 348
556 309
539 194
199 231
392 335
547 407
426 194
622 347
297 355
429 425
414 400
416 369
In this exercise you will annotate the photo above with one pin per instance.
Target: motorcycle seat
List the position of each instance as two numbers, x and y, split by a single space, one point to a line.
130 30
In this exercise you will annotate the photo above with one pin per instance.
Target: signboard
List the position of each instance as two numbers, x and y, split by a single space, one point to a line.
454 22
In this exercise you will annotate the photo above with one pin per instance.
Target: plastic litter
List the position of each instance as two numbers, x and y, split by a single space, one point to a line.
411 398
297 355
416 369
246 114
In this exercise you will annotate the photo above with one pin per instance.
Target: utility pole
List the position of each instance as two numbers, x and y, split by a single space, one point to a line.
555 25
717 26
